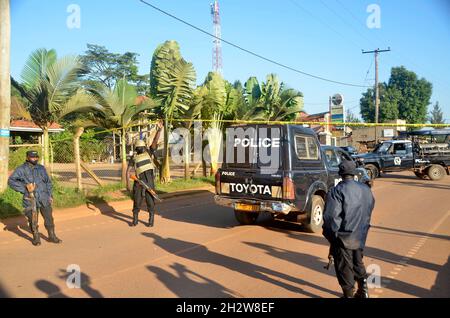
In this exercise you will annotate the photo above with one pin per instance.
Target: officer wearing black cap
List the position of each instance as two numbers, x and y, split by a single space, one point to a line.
31 179
142 163
347 214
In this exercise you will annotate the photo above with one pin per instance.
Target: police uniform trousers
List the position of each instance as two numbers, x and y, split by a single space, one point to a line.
47 214
348 265
139 194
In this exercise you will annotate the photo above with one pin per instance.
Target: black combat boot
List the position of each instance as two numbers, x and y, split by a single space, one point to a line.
363 289
52 236
348 293
151 219
135 219
36 237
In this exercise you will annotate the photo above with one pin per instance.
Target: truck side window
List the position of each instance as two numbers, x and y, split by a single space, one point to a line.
306 148
331 158
400 149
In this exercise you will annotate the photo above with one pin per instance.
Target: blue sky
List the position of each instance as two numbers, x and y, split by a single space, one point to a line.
322 37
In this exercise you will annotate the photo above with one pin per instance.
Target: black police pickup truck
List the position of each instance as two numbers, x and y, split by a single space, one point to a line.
292 186
423 155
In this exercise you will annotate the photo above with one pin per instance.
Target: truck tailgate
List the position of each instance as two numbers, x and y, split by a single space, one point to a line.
250 184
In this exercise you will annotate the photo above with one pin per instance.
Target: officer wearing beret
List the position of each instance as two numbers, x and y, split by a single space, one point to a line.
347 214
31 179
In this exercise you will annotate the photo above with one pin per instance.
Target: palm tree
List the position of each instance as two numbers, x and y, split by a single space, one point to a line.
52 90
172 81
118 108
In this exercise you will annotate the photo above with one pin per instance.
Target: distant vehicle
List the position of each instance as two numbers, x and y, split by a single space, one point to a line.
422 155
295 190
351 150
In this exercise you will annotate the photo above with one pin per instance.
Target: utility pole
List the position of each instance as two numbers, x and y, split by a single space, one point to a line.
377 96
5 91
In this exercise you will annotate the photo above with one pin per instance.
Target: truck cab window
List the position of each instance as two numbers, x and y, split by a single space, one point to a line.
331 157
306 148
399 149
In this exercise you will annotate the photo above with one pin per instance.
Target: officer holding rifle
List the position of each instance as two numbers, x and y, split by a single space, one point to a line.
144 183
31 179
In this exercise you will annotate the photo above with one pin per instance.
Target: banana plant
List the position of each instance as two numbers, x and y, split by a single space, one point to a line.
172 81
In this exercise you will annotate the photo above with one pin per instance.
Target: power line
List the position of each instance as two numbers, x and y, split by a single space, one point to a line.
251 52
397 55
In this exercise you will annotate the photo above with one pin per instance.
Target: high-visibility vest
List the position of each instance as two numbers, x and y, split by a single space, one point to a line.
142 163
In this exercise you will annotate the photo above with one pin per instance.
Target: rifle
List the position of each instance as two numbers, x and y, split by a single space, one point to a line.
146 187
34 212
330 260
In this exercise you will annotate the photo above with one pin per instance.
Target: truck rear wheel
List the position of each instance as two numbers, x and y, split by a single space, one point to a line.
314 221
372 171
436 172
246 218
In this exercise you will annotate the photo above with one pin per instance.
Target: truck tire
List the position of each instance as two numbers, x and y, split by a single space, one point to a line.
420 175
436 172
314 221
372 171
246 218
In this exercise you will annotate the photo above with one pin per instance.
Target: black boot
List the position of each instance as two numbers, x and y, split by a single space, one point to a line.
348 293
363 289
52 236
135 219
151 219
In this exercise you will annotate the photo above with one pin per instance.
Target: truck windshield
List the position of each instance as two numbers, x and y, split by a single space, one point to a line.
383 147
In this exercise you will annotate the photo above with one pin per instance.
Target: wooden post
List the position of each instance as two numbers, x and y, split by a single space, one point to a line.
76 151
114 146
5 91
187 155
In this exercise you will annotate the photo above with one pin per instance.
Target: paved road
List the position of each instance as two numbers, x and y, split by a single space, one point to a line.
198 250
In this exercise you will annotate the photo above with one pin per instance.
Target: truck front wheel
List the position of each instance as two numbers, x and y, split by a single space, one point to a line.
436 172
246 218
314 221
420 175
372 171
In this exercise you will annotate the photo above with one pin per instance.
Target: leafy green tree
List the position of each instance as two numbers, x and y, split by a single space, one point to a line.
172 81
414 94
51 88
436 115
107 68
403 97
388 108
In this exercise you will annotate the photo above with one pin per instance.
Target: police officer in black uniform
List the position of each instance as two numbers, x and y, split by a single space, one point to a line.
347 214
143 165
31 179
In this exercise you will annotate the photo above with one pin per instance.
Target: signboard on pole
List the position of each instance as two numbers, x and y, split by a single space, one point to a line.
337 109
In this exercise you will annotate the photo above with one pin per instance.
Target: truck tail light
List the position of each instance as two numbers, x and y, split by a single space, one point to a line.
217 177
288 189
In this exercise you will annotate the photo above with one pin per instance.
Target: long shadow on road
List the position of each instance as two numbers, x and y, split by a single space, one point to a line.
200 253
107 210
439 289
200 212
183 286
54 291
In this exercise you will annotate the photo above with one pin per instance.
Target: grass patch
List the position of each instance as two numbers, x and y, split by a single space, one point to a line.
66 197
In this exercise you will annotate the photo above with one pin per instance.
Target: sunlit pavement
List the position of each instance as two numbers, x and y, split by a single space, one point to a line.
197 249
